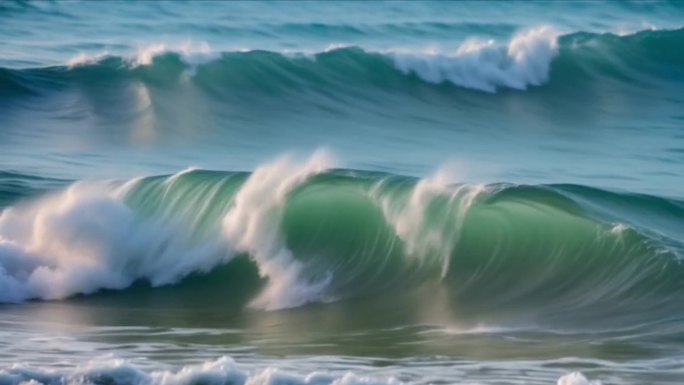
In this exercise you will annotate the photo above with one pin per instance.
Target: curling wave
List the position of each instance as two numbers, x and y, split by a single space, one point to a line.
530 58
316 234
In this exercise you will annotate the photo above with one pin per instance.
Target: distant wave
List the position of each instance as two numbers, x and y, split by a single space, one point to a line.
486 65
531 58
314 234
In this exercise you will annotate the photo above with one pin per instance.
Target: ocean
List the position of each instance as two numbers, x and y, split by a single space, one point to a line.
341 193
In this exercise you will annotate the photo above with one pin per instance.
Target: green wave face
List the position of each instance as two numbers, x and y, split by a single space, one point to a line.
494 247
285 236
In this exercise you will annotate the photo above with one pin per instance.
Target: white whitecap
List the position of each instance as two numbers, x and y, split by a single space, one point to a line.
576 378
487 65
85 238
252 225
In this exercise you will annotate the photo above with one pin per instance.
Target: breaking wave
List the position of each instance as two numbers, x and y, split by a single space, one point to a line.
531 58
317 234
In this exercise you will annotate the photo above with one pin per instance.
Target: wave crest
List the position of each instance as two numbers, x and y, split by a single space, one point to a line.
533 57
84 239
487 65
252 225
317 235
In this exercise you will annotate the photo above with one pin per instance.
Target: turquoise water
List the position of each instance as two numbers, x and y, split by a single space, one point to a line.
319 193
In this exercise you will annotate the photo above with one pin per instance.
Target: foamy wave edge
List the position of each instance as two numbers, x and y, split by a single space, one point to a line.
222 371
482 64
85 238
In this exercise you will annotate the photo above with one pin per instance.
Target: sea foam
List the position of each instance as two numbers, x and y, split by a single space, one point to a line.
487 65
251 225
86 238
222 371
422 233
193 53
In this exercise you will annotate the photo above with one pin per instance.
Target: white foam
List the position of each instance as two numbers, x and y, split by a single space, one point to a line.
193 53
83 58
627 30
336 46
84 239
222 371
487 65
576 378
619 228
252 223
477 329
431 236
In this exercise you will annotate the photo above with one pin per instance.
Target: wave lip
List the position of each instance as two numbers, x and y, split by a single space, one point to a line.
82 240
86 238
486 65
251 225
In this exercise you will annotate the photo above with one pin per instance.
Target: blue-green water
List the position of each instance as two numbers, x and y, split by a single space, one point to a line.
341 193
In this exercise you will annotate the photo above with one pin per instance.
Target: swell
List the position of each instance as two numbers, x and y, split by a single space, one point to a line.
531 58
295 232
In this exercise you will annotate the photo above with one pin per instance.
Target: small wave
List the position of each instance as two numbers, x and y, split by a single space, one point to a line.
85 238
192 53
83 59
222 371
316 235
576 378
